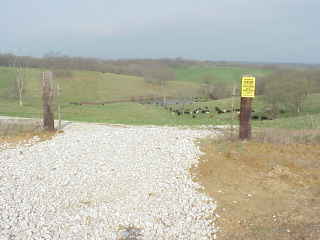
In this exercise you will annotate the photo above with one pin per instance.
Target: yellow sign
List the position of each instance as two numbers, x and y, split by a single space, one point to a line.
248 86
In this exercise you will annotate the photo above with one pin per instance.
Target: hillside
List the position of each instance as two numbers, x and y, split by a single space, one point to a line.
230 75
90 86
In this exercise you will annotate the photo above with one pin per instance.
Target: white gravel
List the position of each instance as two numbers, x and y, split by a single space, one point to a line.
96 181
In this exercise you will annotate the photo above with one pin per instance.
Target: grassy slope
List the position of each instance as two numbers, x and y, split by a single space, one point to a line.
95 87
92 86
221 74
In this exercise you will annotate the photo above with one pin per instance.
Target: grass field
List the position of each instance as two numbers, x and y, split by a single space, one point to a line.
221 74
95 87
122 113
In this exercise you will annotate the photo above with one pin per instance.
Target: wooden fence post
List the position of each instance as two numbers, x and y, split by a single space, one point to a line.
245 118
47 98
247 94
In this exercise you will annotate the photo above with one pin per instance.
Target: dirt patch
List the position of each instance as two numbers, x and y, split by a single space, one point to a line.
15 131
11 141
263 190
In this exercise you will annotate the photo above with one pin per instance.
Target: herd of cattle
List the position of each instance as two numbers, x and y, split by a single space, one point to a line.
205 110
196 112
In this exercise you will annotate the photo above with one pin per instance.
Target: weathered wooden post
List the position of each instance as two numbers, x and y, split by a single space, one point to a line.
47 98
247 94
58 92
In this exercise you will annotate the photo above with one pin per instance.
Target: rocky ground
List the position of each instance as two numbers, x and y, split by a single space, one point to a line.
105 182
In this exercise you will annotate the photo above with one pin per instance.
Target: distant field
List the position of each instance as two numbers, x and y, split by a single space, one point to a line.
95 87
221 74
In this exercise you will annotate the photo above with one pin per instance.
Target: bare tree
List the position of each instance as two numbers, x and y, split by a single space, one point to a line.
20 77
20 82
287 89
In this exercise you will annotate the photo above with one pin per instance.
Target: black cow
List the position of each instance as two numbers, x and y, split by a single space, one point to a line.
218 110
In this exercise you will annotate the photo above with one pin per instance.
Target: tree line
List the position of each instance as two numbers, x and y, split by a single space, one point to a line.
287 90
135 67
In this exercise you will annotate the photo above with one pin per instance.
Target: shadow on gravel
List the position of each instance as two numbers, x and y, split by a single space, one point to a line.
130 233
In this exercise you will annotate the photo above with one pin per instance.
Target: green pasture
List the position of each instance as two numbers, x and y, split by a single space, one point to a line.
89 86
138 114
220 74
96 87
118 113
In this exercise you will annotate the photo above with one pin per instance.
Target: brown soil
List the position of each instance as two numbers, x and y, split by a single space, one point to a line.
263 190
25 137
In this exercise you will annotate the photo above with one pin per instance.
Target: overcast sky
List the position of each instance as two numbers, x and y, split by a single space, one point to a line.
231 30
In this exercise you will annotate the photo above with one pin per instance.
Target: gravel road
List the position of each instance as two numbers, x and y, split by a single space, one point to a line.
105 182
